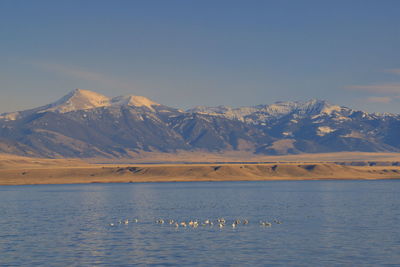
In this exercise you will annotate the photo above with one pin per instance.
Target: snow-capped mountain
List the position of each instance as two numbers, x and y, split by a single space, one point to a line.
88 124
80 99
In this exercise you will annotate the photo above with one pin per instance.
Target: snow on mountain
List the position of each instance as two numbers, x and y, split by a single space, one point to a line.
323 130
132 100
262 113
78 100
9 116
83 99
88 124
226 111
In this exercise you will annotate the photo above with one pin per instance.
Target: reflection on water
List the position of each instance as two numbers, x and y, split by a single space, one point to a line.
325 223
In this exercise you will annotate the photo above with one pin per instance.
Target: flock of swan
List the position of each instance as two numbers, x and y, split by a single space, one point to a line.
220 222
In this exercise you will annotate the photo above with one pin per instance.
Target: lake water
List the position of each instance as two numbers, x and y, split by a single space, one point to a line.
324 223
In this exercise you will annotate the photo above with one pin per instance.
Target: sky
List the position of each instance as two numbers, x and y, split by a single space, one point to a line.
201 52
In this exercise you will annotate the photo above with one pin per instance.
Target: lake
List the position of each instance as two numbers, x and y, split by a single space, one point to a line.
313 223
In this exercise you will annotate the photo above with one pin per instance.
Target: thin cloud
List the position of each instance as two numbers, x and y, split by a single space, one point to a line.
393 71
79 73
378 99
379 93
385 88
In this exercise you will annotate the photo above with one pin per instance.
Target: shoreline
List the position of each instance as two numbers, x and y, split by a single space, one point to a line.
137 173
206 181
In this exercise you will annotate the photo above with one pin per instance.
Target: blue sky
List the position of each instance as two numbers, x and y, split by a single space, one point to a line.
199 52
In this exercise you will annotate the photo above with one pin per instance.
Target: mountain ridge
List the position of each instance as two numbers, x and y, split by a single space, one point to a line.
87 124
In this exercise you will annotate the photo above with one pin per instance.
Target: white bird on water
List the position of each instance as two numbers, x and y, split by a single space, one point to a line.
221 220
266 224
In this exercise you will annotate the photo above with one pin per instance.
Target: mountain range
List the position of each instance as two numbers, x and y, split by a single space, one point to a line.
86 124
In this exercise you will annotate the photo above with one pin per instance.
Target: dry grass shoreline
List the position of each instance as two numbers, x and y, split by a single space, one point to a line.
180 173
15 170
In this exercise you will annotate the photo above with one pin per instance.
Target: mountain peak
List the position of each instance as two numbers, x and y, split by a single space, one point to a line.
79 99
320 106
135 101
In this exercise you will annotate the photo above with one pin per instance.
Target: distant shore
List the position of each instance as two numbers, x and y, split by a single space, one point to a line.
192 172
17 170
